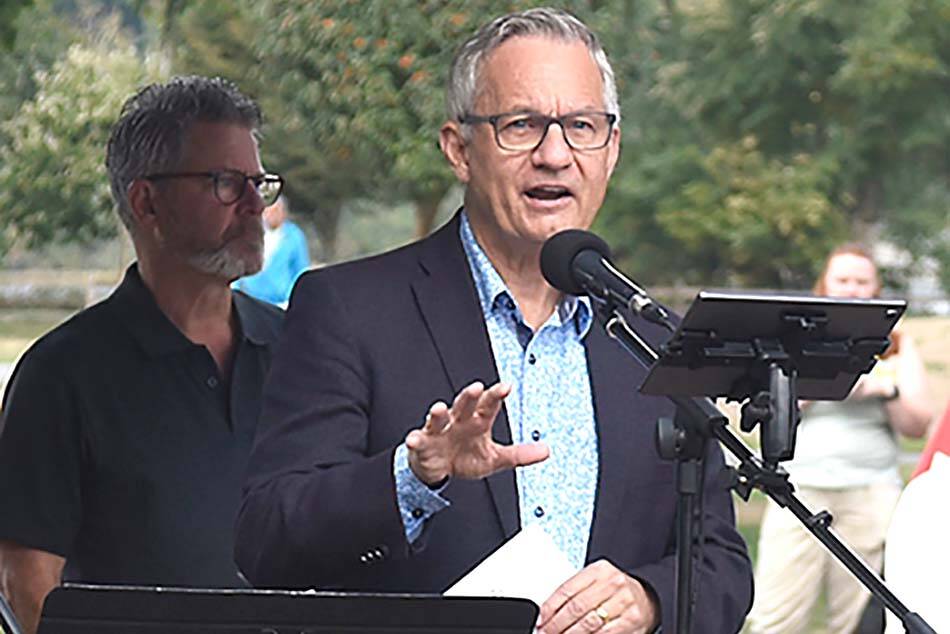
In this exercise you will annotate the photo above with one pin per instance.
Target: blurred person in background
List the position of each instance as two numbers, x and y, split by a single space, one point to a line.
917 561
285 257
846 461
125 431
937 443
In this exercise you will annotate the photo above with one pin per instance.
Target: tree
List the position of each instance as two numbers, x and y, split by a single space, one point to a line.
325 164
9 11
37 36
859 93
351 94
370 76
53 182
374 74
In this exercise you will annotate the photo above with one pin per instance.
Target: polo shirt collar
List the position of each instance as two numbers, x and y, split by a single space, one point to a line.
157 335
254 327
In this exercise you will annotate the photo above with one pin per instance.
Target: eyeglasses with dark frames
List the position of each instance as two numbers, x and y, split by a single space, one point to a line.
525 131
231 185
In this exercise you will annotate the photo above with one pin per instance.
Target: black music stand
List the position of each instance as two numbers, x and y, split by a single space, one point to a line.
772 349
89 609
8 621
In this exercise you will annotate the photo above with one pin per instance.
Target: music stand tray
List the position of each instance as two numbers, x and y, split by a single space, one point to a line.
88 609
719 347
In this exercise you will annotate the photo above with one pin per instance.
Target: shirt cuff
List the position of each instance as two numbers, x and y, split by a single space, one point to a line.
417 502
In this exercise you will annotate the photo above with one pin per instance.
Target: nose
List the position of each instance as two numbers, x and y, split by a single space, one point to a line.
553 152
251 200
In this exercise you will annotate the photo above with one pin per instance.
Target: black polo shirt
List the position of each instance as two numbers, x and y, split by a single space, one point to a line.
123 450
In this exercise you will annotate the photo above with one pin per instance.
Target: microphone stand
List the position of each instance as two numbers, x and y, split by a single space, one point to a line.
7 618
697 420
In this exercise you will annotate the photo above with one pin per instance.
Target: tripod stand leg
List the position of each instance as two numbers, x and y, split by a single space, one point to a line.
677 440
689 475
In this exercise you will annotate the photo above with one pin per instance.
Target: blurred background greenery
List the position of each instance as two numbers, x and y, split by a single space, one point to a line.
756 133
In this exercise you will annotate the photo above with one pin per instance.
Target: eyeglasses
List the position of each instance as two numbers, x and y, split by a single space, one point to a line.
525 131
230 185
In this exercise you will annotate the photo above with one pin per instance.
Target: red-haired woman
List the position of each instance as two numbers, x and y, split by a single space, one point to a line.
846 462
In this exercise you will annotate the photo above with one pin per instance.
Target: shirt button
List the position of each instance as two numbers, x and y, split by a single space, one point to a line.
538 511
535 435
532 359
417 513
212 382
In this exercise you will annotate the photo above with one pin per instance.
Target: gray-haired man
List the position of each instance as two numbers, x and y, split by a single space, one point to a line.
126 430
347 491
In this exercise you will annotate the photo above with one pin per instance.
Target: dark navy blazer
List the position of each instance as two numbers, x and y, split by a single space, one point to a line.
367 347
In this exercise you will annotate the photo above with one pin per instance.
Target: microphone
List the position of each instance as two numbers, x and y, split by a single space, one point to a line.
578 263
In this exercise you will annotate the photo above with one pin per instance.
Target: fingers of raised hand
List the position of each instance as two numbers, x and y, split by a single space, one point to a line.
438 418
523 455
463 407
489 403
479 406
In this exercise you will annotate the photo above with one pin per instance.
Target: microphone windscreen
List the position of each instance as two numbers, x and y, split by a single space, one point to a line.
558 253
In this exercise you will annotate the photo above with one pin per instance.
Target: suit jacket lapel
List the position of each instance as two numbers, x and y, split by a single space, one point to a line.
448 301
613 389
626 427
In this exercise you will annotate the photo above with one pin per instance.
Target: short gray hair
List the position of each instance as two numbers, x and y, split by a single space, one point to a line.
546 22
149 135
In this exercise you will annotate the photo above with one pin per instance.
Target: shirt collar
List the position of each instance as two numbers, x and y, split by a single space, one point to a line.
158 335
256 319
493 294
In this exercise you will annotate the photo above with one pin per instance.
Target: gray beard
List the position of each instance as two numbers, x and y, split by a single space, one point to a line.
223 263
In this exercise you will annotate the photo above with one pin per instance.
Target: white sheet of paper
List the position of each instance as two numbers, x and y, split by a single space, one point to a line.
527 566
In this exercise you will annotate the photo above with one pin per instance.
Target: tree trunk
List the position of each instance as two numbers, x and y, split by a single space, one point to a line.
867 211
327 224
426 211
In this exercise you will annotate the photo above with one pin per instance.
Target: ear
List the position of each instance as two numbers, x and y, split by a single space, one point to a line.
141 202
455 149
613 150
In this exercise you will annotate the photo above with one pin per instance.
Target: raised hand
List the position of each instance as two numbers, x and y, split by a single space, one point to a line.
456 441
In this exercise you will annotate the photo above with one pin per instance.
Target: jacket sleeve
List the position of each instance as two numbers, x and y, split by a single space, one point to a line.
315 504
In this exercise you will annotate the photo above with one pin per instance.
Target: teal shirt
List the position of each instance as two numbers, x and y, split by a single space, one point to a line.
289 259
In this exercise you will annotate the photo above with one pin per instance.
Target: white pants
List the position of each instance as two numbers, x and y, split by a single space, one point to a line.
792 566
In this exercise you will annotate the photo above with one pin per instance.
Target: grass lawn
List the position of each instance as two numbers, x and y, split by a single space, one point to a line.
19 328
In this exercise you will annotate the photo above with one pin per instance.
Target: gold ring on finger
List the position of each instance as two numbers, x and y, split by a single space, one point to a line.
603 614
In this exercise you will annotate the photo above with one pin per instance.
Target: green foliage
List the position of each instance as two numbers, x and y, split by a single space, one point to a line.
847 104
772 219
8 14
38 37
53 183
755 133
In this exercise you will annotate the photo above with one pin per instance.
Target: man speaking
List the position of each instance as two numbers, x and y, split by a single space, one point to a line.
426 403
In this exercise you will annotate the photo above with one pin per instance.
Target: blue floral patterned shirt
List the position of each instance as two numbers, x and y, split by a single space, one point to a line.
550 401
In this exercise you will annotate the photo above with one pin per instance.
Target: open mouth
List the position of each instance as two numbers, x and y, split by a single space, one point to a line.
548 192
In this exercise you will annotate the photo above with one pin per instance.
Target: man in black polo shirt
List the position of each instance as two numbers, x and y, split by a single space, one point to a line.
125 431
